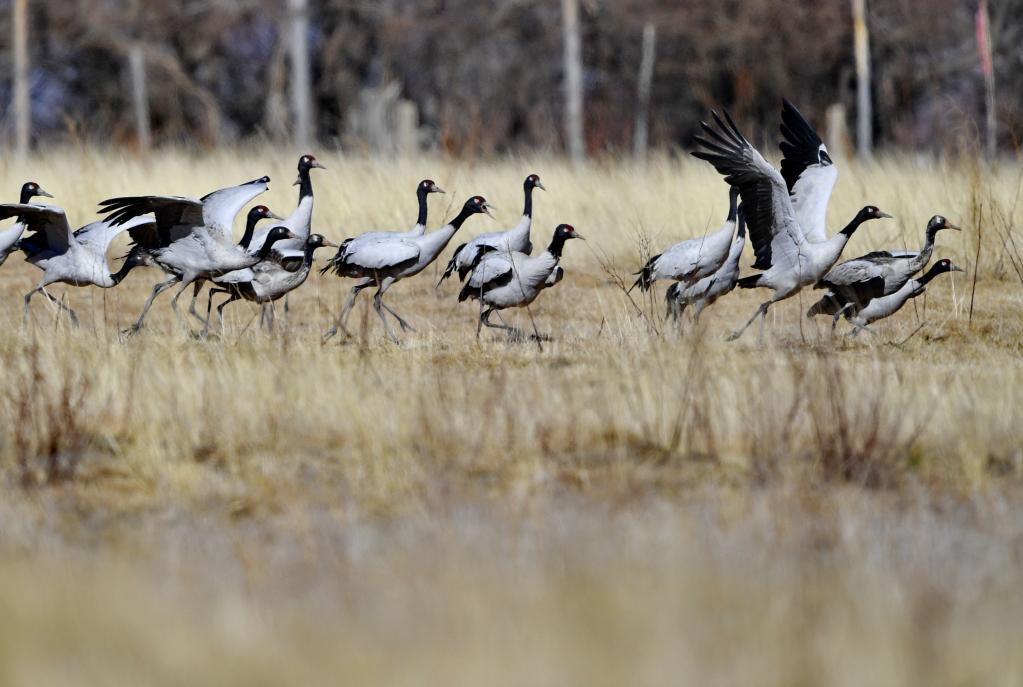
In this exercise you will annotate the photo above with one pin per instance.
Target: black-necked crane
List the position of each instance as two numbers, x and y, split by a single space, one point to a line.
852 284
423 191
9 237
76 258
383 261
503 279
884 306
301 218
514 239
709 289
266 281
691 260
192 238
789 261
809 172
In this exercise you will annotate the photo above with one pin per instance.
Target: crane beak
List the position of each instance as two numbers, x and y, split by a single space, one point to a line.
437 189
41 192
540 186
317 164
885 215
956 268
329 244
274 215
487 208
952 226
577 235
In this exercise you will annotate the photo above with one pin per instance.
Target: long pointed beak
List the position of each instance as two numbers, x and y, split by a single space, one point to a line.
952 226
579 236
487 208
274 215
317 165
41 192
437 189
885 214
957 269
329 244
540 186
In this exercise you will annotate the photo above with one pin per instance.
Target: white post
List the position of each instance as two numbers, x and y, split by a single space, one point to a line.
641 138
573 79
139 96
298 21
22 105
864 107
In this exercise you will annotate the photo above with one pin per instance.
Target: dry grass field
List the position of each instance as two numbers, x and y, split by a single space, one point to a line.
627 504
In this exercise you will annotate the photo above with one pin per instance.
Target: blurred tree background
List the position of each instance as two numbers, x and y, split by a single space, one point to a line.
487 77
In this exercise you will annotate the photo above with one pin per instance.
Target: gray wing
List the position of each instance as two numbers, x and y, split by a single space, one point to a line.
176 217
48 222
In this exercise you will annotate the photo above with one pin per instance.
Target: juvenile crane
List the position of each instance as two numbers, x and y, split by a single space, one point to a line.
9 237
514 239
852 284
706 291
691 260
76 258
503 279
384 261
789 260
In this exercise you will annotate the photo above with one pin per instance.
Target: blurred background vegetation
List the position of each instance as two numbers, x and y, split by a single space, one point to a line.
471 78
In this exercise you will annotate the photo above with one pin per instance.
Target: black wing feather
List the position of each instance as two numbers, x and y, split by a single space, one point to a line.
726 148
801 146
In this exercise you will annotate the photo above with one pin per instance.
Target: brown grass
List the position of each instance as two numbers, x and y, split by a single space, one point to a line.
630 505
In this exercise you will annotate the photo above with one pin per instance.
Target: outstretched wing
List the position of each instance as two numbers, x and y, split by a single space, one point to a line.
97 236
770 219
49 223
809 173
176 216
222 206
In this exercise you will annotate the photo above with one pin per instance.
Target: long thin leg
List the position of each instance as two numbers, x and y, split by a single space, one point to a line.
174 303
271 315
485 320
346 309
61 305
157 290
28 298
191 306
405 326
762 312
220 308
378 306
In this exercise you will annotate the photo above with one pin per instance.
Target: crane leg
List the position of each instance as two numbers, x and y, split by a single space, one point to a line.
762 313
61 305
378 306
405 326
191 306
220 308
174 304
346 309
485 320
157 290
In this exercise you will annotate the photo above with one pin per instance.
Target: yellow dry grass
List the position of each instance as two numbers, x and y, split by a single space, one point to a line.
628 505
